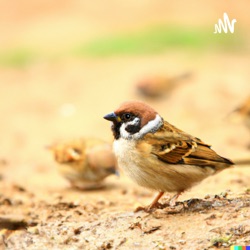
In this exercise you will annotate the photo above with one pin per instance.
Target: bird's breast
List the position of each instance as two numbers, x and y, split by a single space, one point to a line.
128 157
125 150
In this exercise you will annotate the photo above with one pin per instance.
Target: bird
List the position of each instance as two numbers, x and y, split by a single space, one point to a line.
156 85
157 155
241 115
243 112
84 162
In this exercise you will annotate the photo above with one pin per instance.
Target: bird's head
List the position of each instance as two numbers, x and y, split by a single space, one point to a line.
134 119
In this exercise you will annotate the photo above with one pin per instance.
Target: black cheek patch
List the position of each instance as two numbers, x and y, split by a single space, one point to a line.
116 130
132 129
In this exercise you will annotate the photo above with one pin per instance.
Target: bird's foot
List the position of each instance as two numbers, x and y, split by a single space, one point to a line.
172 203
173 200
149 208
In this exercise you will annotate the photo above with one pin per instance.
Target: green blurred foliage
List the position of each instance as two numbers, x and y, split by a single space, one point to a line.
160 38
146 41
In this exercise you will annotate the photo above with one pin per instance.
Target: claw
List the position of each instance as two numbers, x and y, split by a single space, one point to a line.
150 208
154 204
173 200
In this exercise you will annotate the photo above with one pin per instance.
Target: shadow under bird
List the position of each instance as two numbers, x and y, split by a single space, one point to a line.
157 155
85 162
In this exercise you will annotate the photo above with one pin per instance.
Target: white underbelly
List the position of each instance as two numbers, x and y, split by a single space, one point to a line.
154 174
127 157
134 165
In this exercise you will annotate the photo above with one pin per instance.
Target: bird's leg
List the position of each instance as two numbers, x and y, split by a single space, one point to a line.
173 200
155 201
154 204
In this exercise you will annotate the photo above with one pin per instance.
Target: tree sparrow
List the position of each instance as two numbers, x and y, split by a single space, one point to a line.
244 112
157 155
85 162
155 86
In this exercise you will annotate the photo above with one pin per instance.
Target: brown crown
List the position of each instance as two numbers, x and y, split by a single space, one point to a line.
140 109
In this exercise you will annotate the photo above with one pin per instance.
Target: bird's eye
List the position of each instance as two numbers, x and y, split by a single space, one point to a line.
127 116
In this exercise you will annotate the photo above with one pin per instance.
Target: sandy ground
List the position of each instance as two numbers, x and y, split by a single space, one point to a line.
46 101
60 217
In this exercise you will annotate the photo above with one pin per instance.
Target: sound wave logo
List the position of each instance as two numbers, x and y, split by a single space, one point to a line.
224 25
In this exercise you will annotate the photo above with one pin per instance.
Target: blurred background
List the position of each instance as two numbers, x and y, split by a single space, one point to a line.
65 64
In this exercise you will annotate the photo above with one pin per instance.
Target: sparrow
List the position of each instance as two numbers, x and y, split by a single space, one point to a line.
84 162
243 112
157 155
155 86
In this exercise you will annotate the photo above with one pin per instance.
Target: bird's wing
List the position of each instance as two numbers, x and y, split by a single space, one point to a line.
174 146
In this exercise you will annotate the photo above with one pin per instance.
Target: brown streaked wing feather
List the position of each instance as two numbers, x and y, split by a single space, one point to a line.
174 146
206 153
171 152
205 156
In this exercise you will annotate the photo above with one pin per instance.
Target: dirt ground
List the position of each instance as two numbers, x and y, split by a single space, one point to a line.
51 100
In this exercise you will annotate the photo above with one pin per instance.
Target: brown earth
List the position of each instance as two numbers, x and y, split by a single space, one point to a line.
46 101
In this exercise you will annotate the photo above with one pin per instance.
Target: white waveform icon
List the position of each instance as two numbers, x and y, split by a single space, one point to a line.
225 25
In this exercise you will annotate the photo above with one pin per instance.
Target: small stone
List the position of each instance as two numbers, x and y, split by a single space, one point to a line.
33 230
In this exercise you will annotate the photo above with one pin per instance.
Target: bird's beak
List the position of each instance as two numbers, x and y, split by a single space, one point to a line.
117 173
112 117
114 171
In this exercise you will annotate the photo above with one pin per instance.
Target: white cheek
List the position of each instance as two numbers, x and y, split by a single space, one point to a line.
150 127
124 133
